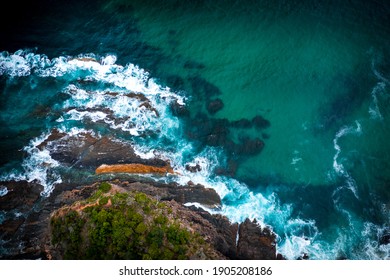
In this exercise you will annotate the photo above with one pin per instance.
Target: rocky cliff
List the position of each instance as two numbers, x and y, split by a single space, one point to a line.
26 234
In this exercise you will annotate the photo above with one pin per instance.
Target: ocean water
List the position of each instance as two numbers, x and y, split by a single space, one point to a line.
284 105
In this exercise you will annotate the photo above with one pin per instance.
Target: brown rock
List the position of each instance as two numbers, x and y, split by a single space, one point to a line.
88 151
182 194
21 195
256 243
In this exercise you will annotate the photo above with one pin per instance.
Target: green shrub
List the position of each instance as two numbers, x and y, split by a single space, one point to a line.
103 200
134 226
104 187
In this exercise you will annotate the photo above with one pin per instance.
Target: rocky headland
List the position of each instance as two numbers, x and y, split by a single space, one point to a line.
27 230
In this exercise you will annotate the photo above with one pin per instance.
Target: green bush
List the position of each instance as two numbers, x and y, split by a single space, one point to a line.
134 226
104 187
103 200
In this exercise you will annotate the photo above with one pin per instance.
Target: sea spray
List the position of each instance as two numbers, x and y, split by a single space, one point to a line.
339 167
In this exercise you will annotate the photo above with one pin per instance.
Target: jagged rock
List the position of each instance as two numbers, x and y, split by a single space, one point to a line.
385 238
224 235
179 110
139 96
182 194
9 227
256 243
22 233
28 237
193 168
85 150
21 195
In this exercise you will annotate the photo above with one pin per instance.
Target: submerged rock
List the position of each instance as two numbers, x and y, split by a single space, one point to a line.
241 123
214 106
260 123
179 110
250 146
202 88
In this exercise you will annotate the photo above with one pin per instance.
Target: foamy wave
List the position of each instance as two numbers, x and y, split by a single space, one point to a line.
130 77
3 190
373 249
374 110
339 167
14 64
127 112
38 167
113 106
299 237
377 74
93 116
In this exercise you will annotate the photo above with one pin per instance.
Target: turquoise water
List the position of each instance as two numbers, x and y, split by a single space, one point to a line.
301 142
291 69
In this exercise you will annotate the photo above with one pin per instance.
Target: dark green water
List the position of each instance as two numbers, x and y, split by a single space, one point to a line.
303 133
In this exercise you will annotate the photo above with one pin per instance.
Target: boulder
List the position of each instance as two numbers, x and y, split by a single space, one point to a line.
256 243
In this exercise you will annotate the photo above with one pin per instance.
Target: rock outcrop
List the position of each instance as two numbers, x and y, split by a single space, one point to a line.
25 213
26 235
88 151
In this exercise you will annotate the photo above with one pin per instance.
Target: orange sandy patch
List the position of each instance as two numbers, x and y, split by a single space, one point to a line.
134 168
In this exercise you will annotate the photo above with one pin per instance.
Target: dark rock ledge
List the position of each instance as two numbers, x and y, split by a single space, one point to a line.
24 231
25 214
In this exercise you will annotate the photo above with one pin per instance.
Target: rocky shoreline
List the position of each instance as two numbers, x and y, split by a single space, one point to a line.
25 231
25 212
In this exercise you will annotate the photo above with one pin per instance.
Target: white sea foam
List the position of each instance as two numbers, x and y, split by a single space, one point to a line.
376 92
3 190
377 73
38 167
130 114
130 77
93 116
198 205
14 65
108 60
373 248
337 165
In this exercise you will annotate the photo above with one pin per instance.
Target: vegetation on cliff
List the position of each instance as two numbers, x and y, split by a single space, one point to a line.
118 224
